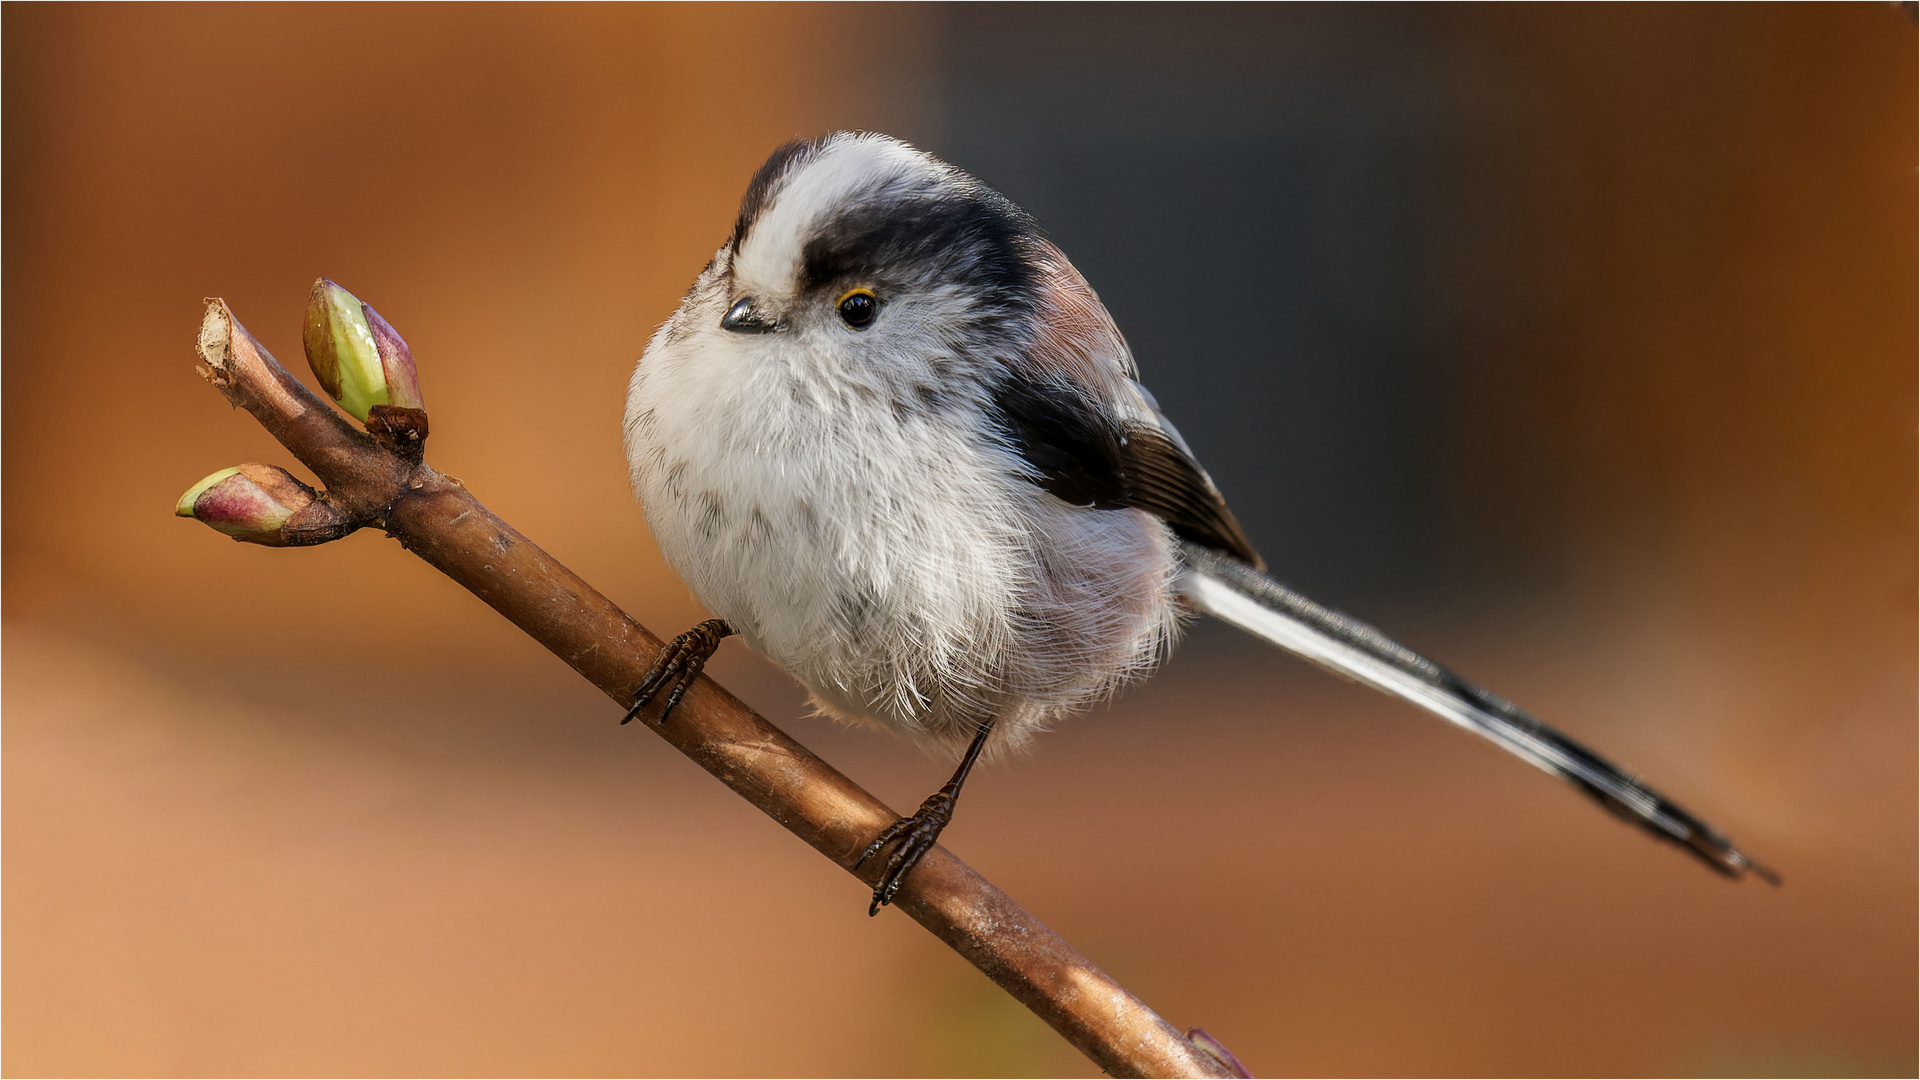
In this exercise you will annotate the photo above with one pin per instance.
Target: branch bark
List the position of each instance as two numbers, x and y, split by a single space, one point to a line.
380 481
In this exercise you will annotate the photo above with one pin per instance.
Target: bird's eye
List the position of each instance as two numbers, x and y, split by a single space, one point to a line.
858 307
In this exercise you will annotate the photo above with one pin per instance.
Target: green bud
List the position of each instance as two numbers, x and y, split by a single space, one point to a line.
263 504
360 360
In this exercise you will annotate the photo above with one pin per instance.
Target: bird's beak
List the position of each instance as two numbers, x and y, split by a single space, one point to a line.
744 318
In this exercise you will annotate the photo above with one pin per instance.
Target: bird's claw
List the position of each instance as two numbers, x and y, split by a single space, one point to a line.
911 838
678 664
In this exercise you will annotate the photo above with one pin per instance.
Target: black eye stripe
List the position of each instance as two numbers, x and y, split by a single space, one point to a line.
963 234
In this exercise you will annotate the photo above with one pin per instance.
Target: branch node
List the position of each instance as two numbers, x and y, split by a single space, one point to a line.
400 431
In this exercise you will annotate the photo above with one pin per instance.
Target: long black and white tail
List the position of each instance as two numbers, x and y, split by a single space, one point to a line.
1231 591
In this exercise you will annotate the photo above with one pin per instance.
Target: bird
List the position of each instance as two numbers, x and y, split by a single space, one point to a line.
894 441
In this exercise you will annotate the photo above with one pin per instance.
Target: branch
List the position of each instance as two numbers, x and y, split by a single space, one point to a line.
377 478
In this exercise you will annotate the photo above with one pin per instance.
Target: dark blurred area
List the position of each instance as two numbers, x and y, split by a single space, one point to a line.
1573 344
1256 194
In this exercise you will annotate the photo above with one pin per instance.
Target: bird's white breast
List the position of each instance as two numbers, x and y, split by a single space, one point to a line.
886 553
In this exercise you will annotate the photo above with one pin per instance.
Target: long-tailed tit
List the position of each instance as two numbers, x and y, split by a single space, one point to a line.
893 439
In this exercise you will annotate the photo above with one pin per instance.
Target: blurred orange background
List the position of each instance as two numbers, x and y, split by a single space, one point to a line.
1624 300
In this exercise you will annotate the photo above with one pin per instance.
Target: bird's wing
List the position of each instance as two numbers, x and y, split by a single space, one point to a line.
1089 457
1092 435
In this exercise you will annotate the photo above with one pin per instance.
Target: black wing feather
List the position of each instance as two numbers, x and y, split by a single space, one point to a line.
1087 457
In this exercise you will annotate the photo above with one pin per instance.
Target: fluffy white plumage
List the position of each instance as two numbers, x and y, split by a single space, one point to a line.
890 555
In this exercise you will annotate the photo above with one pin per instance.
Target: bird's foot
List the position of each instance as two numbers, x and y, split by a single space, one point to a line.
911 838
678 664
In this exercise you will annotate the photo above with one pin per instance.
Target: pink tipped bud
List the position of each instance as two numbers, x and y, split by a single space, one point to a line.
263 504
396 362
360 360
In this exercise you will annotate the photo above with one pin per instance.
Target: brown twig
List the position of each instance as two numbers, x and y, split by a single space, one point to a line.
379 479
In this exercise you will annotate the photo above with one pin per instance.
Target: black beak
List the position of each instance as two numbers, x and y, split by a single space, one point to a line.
744 318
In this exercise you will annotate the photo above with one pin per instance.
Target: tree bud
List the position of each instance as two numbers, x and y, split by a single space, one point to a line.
360 359
263 504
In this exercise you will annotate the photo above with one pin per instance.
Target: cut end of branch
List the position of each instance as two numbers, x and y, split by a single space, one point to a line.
216 340
241 368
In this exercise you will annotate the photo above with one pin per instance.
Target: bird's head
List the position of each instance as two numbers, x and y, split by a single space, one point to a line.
858 251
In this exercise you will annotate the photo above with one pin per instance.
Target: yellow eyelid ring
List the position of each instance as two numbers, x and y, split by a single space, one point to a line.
857 307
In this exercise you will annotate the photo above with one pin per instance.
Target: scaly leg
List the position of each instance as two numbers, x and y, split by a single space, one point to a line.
916 834
678 665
